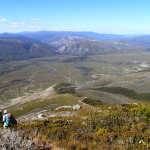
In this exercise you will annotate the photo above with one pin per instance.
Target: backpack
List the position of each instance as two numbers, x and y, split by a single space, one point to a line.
8 119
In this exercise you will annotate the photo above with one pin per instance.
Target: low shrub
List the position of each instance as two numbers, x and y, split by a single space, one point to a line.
92 102
115 128
64 88
126 92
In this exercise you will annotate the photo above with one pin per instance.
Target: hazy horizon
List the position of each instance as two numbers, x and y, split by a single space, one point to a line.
100 16
21 32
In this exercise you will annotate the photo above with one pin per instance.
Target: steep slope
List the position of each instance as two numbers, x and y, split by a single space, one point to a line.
94 47
23 48
86 47
63 40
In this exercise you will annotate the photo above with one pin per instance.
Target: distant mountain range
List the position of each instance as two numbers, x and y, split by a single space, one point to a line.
41 35
56 35
19 48
27 45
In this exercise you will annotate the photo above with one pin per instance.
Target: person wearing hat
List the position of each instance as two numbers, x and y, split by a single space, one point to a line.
7 119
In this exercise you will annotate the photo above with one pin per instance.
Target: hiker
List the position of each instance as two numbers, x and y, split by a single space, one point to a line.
8 119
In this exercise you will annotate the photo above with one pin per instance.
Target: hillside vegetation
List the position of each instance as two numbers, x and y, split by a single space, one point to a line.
64 88
22 48
126 92
76 90
21 78
105 127
39 104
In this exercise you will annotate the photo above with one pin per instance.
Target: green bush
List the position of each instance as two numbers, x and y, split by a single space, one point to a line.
92 102
64 88
120 127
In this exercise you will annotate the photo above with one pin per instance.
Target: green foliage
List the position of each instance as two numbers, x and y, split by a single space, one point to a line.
64 88
146 112
126 92
124 127
92 102
61 85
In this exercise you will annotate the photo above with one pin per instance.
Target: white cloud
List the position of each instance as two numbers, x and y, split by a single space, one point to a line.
17 23
3 19
34 19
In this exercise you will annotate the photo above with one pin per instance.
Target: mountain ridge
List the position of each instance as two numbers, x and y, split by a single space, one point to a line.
23 48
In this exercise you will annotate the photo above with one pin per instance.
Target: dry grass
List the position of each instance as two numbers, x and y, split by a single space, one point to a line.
56 101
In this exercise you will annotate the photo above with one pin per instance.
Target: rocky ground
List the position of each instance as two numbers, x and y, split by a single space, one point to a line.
12 139
15 140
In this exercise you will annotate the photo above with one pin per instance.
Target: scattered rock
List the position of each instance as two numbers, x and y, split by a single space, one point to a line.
76 107
40 116
63 107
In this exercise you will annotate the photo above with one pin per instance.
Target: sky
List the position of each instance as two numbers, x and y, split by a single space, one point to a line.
102 16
